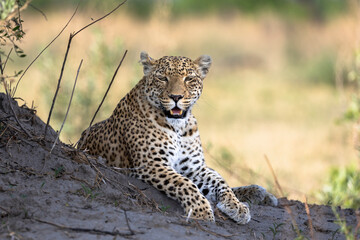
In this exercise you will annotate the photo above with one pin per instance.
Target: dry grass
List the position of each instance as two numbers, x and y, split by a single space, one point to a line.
255 101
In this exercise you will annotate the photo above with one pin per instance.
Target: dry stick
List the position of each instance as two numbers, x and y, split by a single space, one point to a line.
58 85
2 68
12 109
22 75
39 10
7 58
102 101
65 58
211 232
68 108
87 230
99 19
287 208
307 209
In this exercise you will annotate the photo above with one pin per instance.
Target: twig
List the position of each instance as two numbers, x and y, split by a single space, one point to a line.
68 108
127 223
39 10
58 86
87 230
274 176
2 67
309 218
5 210
287 208
102 101
65 58
22 75
99 19
211 232
12 109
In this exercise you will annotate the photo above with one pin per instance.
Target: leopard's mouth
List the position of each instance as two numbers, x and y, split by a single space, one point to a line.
175 113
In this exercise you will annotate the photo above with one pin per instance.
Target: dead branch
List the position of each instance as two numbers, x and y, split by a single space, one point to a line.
27 68
274 176
102 101
39 10
58 85
287 208
12 110
68 108
65 58
309 218
87 230
198 225
2 67
99 19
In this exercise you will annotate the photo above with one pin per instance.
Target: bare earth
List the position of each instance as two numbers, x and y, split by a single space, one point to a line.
67 195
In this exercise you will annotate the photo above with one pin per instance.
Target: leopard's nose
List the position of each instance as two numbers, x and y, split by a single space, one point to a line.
176 98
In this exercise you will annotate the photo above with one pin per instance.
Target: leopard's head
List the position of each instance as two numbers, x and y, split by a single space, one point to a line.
174 84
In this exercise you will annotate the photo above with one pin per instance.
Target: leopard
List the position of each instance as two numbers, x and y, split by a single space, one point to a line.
154 135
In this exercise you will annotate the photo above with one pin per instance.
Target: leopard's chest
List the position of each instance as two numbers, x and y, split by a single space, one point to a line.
183 150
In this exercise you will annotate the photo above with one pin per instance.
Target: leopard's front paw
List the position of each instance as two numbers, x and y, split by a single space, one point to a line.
255 194
236 210
201 210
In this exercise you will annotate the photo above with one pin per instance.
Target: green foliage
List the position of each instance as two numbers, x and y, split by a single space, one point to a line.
6 7
352 113
342 188
275 229
317 10
343 185
58 171
347 230
313 70
11 29
321 70
164 208
88 192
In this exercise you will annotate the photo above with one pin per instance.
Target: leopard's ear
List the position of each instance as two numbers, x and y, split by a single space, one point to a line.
147 62
203 62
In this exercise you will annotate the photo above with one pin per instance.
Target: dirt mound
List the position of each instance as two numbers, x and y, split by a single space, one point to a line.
68 195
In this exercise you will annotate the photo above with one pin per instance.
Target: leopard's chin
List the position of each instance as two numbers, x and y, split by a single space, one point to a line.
175 113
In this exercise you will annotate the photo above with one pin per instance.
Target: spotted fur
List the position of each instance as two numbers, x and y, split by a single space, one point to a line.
153 133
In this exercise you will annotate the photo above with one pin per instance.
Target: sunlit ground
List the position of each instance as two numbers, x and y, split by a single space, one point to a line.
259 97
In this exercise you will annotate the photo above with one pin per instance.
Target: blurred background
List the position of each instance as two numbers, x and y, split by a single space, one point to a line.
283 82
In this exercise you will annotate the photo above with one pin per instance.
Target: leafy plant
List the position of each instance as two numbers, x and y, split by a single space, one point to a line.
164 208
274 229
349 232
343 188
88 192
11 32
58 171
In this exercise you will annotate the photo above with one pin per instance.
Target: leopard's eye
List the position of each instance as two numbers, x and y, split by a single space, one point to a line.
189 79
162 79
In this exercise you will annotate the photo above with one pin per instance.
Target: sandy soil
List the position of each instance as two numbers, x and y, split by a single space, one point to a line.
67 195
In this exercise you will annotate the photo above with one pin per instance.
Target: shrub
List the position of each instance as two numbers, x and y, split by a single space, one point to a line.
343 188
